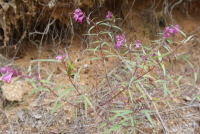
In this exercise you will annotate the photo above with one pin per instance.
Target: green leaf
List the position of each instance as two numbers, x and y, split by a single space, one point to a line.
105 24
70 68
117 27
90 29
146 112
45 81
189 63
168 41
186 40
29 68
57 88
96 58
166 90
33 84
43 89
181 32
88 101
122 113
198 98
104 43
179 78
140 89
49 77
159 56
116 127
111 36
32 92
103 125
91 49
111 55
47 60
106 51
86 107
90 34
65 92
163 68
195 77
77 74
96 42
56 107
156 99
104 32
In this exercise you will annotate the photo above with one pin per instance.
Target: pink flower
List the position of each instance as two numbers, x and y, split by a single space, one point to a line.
80 19
7 78
79 15
5 70
170 30
166 35
154 54
144 58
60 57
108 16
38 78
118 45
176 29
138 43
120 39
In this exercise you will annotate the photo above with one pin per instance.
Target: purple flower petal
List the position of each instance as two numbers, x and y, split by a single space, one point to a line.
4 70
169 30
79 15
120 39
144 58
7 78
138 43
80 19
154 54
108 16
118 45
166 35
176 29
59 57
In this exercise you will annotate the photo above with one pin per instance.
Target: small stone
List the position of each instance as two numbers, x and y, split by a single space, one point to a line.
186 98
86 66
39 122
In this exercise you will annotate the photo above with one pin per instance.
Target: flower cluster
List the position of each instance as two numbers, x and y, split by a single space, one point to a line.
79 15
109 15
10 72
170 30
120 39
